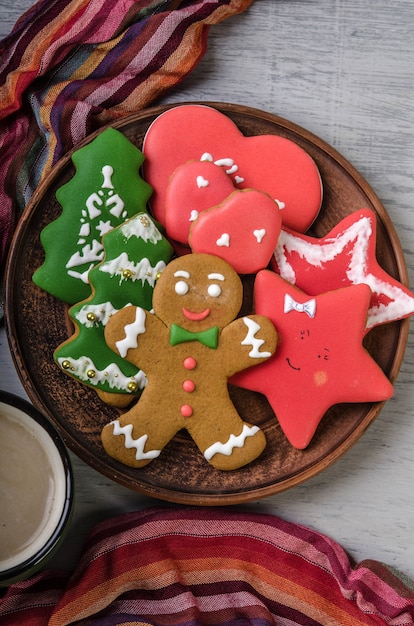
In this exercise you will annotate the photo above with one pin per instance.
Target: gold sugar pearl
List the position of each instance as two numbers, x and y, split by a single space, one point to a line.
66 364
127 273
91 373
132 386
144 220
157 275
91 317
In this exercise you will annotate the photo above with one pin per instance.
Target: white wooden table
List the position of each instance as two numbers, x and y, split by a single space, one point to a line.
343 69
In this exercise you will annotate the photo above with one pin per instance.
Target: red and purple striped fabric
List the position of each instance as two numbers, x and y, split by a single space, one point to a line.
193 567
71 66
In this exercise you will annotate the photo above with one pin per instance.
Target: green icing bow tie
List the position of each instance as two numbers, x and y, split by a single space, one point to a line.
207 337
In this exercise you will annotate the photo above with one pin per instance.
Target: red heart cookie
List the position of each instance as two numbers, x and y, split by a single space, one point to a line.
193 187
269 163
243 230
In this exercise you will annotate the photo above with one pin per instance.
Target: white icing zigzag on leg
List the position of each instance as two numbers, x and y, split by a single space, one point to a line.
232 442
138 444
252 340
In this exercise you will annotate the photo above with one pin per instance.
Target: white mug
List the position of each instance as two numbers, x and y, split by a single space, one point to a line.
36 489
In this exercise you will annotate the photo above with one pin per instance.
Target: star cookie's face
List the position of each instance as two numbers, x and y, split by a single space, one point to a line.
308 356
198 291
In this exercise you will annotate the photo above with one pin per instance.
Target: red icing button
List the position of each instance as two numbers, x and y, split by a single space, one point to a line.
189 363
186 410
188 386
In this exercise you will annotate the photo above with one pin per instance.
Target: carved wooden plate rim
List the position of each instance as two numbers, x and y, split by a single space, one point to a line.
36 323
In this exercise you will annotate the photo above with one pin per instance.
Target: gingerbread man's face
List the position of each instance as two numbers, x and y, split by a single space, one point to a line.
196 294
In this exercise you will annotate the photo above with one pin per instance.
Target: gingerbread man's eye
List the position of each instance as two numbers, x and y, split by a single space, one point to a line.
214 290
181 288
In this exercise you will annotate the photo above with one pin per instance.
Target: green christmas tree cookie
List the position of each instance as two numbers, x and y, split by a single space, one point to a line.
105 190
135 254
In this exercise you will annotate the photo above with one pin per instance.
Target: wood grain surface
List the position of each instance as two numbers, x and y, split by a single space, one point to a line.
344 71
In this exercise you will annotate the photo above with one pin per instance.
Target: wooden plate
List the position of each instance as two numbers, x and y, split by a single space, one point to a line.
37 323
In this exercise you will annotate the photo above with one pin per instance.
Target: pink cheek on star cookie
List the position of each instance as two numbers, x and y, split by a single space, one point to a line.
320 378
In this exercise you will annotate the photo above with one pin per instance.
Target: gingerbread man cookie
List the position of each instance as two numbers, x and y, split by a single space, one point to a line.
188 349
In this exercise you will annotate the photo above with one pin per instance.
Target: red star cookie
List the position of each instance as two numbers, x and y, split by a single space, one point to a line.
320 360
270 163
345 256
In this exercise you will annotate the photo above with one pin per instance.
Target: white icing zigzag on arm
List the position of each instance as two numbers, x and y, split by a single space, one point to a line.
137 327
252 340
232 442
138 444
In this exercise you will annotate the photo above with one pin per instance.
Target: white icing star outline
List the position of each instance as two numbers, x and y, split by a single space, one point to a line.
320 251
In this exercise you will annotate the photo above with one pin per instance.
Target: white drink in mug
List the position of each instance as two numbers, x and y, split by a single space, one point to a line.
33 492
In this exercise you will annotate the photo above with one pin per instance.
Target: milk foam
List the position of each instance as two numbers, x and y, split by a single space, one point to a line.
32 487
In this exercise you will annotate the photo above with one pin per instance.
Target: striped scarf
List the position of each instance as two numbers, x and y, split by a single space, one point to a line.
71 66
190 567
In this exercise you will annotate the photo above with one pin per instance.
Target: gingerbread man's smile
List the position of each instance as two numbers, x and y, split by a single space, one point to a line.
196 317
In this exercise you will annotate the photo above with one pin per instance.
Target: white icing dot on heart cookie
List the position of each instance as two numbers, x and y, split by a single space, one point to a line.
259 234
280 204
226 162
232 169
223 240
193 215
202 182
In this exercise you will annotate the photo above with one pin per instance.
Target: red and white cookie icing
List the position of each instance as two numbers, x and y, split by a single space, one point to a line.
269 163
320 360
193 187
345 256
243 230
